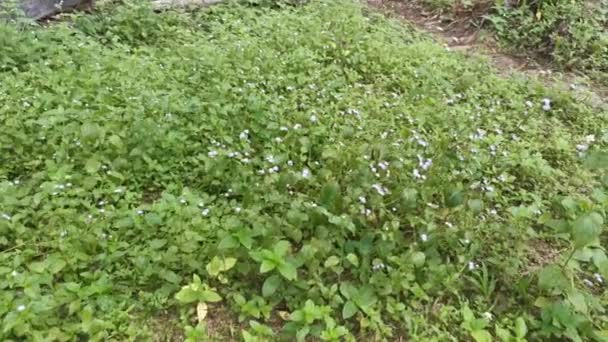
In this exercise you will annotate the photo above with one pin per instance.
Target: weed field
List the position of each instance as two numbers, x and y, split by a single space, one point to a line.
312 172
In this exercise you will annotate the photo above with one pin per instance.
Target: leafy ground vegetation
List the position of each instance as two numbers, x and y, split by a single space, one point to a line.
313 172
572 35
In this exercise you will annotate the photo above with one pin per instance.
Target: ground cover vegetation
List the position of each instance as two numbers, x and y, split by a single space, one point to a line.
311 172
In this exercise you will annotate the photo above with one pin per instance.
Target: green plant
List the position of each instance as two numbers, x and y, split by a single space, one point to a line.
326 173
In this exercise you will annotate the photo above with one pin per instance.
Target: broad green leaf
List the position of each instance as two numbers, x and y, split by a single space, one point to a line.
187 295
552 277
271 284
481 336
476 205
228 242
267 266
302 333
92 165
329 193
209 296
55 265
597 160
455 199
37 267
418 259
288 270
586 229
349 310
353 259
503 334
332 261
409 198
282 247
577 299
520 328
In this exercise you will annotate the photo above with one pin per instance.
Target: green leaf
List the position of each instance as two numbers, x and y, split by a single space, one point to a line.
288 270
418 259
37 267
455 199
209 296
228 242
282 247
476 205
520 328
267 266
55 265
552 277
586 229
349 310
577 299
218 265
92 165
409 198
90 132
503 334
271 284
353 259
187 295
481 336
597 160
302 333
329 194
332 261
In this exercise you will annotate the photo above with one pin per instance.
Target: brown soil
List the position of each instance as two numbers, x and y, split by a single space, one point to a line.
461 31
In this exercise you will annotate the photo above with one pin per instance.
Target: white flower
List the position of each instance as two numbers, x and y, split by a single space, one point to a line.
529 103
488 316
449 224
271 159
140 212
284 129
417 174
101 203
383 165
290 162
297 126
14 273
425 164
212 153
237 209
546 104
313 118
582 147
493 212
273 169
362 199
380 189
306 173
244 135
6 216
598 278
183 201
21 308
472 265
588 282
205 212
432 205
278 139
589 139
424 237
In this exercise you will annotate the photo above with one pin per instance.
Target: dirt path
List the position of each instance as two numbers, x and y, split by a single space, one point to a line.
461 36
